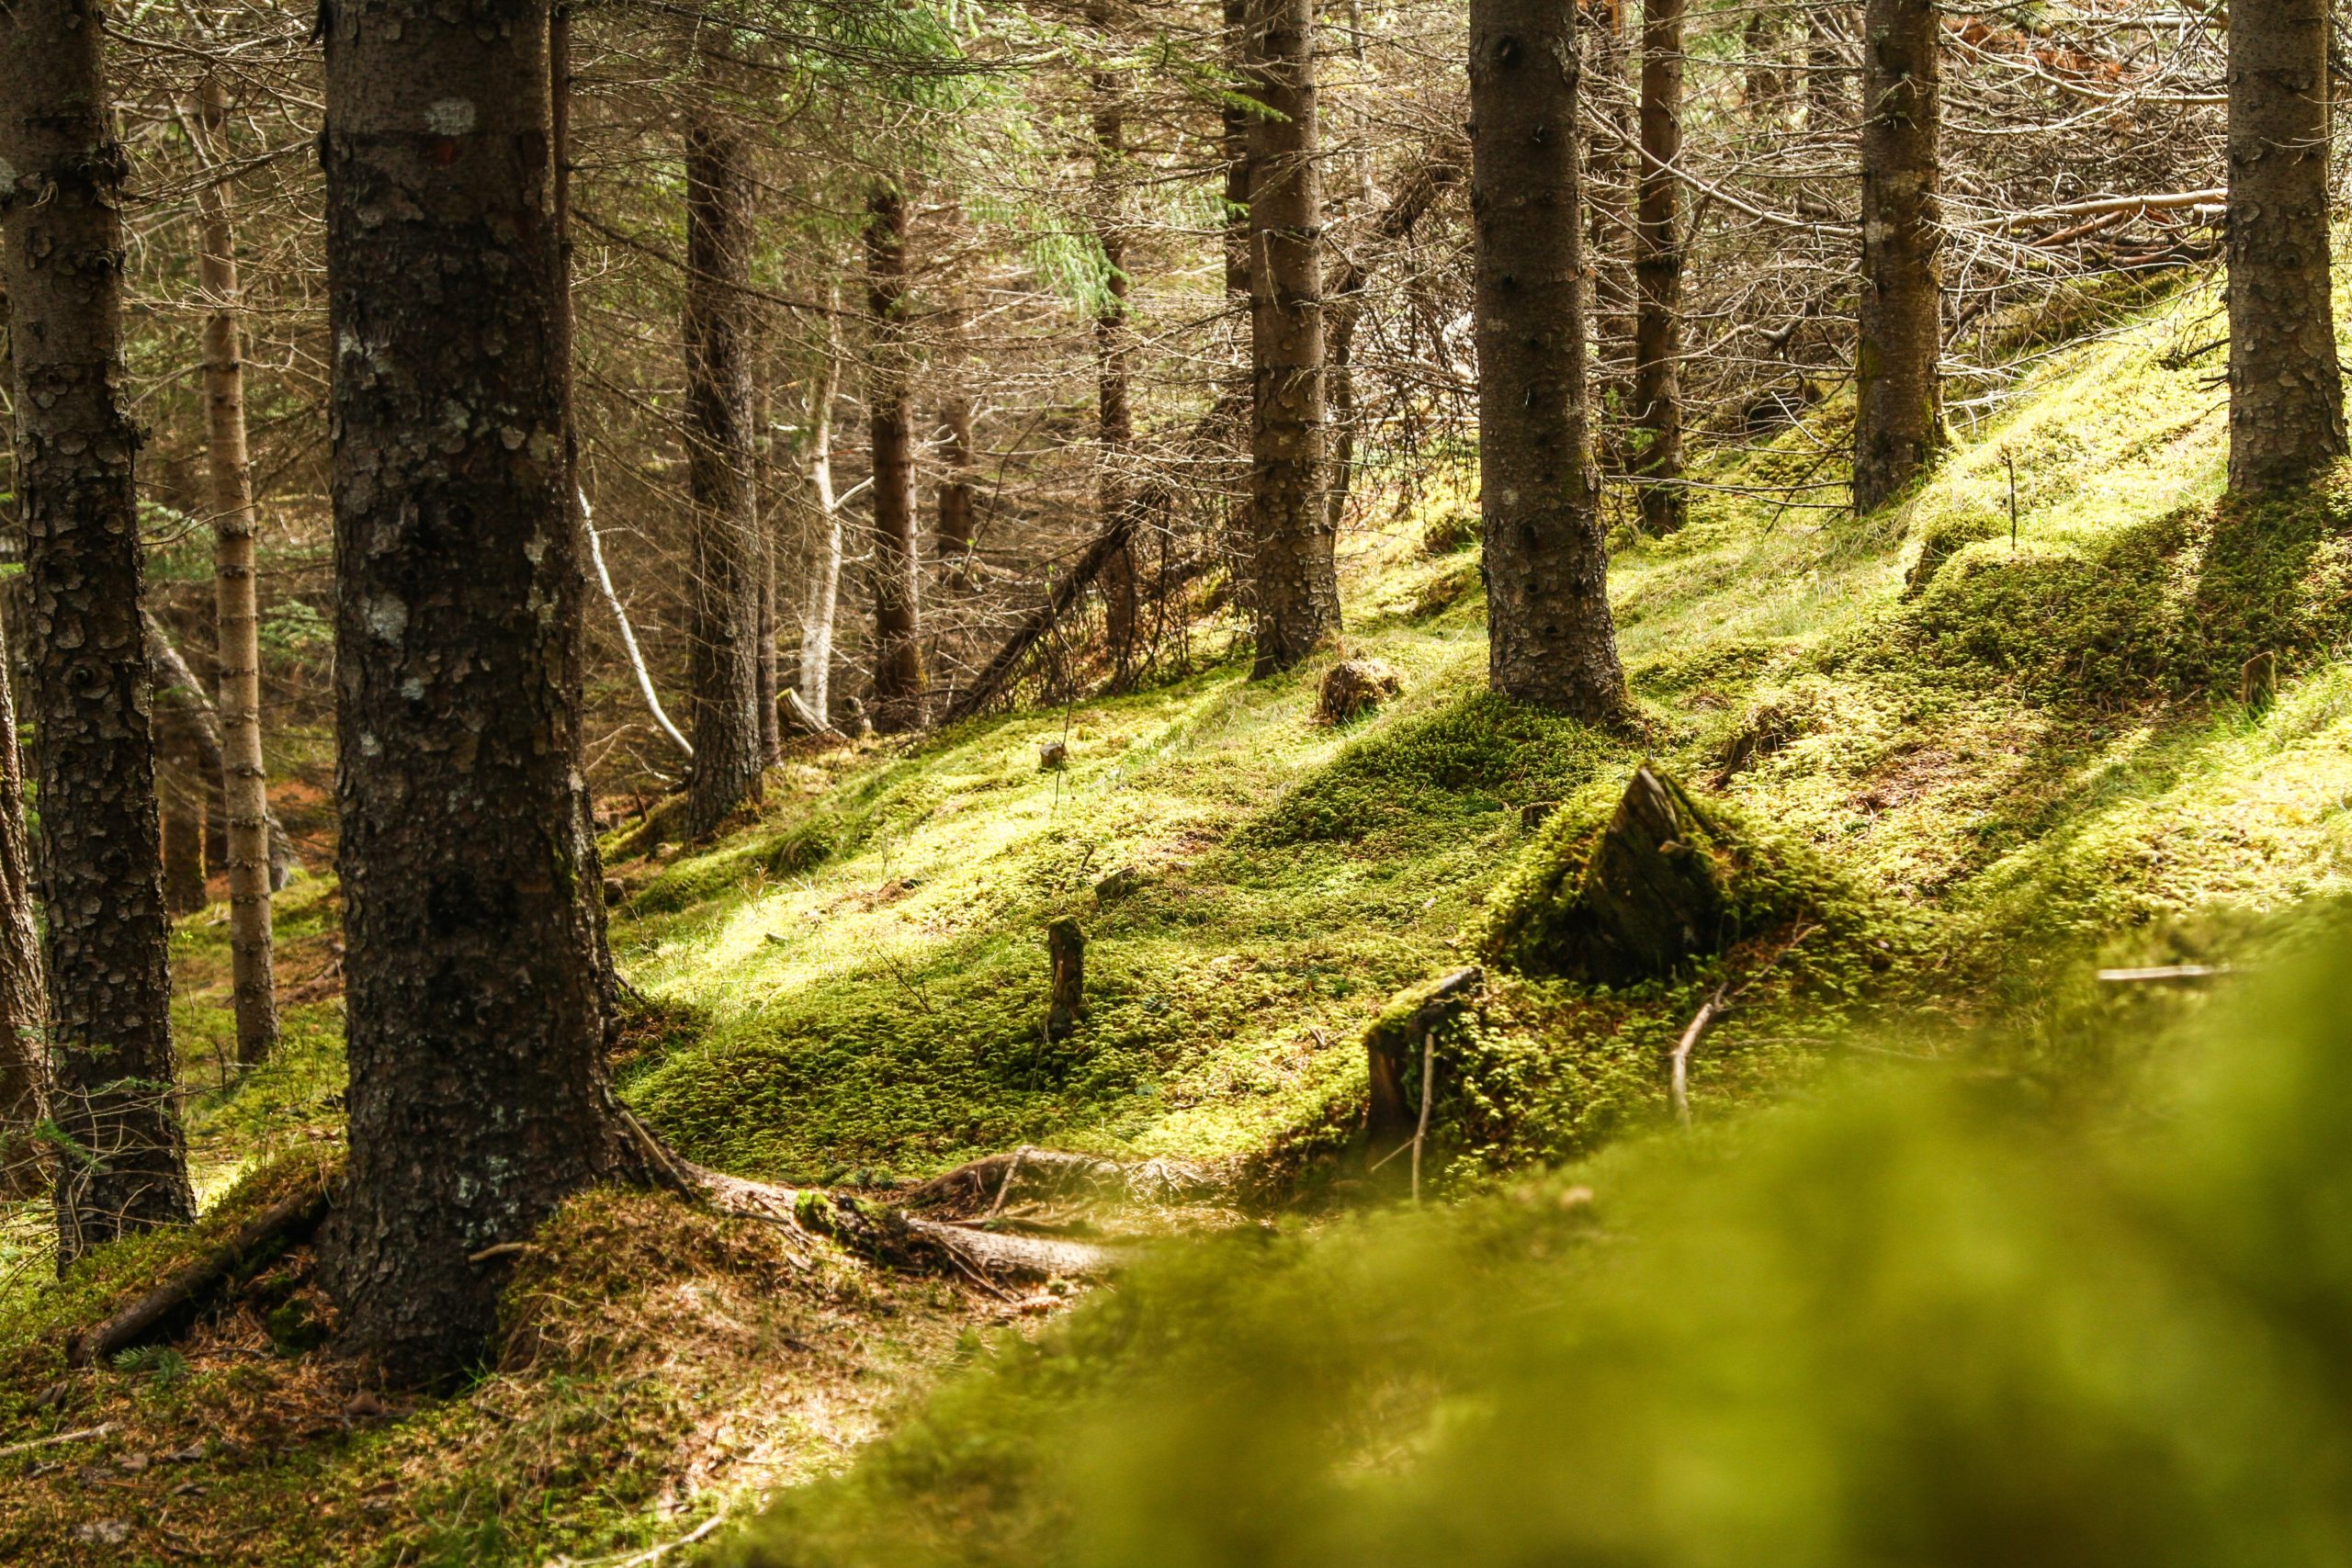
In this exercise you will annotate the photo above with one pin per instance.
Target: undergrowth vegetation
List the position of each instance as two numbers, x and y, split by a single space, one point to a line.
1914 1322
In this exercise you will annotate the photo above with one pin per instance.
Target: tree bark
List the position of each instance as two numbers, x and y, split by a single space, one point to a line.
2286 389
954 528
478 1094
179 789
236 610
820 596
1898 414
1297 587
1551 638
899 695
723 669
1609 182
23 995
1115 423
111 1034
1657 275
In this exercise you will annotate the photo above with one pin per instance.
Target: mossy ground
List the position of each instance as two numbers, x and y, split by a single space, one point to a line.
2036 759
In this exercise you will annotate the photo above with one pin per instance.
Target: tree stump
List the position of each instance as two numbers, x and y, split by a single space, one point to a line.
1392 1050
1052 756
1066 952
2259 682
1634 902
1352 688
1651 886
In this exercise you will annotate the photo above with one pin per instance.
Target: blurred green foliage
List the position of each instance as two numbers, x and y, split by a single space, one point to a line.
1916 1322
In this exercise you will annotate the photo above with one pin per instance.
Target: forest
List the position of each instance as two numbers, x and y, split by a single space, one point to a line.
908 783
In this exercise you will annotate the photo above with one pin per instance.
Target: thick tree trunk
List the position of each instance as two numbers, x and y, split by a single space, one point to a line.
477 1095
236 609
2286 389
24 998
1551 638
899 679
110 1033
723 655
1898 413
1297 587
1114 423
820 595
1656 459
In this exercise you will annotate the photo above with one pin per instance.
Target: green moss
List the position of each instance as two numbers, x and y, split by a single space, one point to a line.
1479 755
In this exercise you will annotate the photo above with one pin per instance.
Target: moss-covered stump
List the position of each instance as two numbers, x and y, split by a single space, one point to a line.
1666 881
1354 687
1393 1048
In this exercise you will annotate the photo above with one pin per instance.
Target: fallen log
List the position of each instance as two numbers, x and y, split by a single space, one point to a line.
982 1187
186 1290
1033 627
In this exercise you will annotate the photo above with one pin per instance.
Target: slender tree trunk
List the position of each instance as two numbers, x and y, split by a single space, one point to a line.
1298 599
1657 275
822 594
2286 389
24 999
179 789
478 1098
1551 638
111 1034
1238 268
723 658
1114 423
1898 413
957 523
1609 187
898 681
771 733
236 609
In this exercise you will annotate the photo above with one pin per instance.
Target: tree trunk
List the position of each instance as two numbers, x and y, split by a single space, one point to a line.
723 669
1657 275
180 794
101 885
1115 427
1066 960
24 1000
822 594
236 610
478 1097
1297 597
954 528
898 681
1551 640
1898 413
1609 186
1236 147
2286 389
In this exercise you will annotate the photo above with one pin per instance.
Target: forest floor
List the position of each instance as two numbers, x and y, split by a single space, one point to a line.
2011 745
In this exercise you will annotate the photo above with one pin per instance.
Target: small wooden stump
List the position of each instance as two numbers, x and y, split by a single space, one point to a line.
1393 1049
1066 952
1352 688
2259 682
1052 756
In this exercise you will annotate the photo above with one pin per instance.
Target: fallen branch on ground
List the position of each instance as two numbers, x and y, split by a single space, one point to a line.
272 1230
